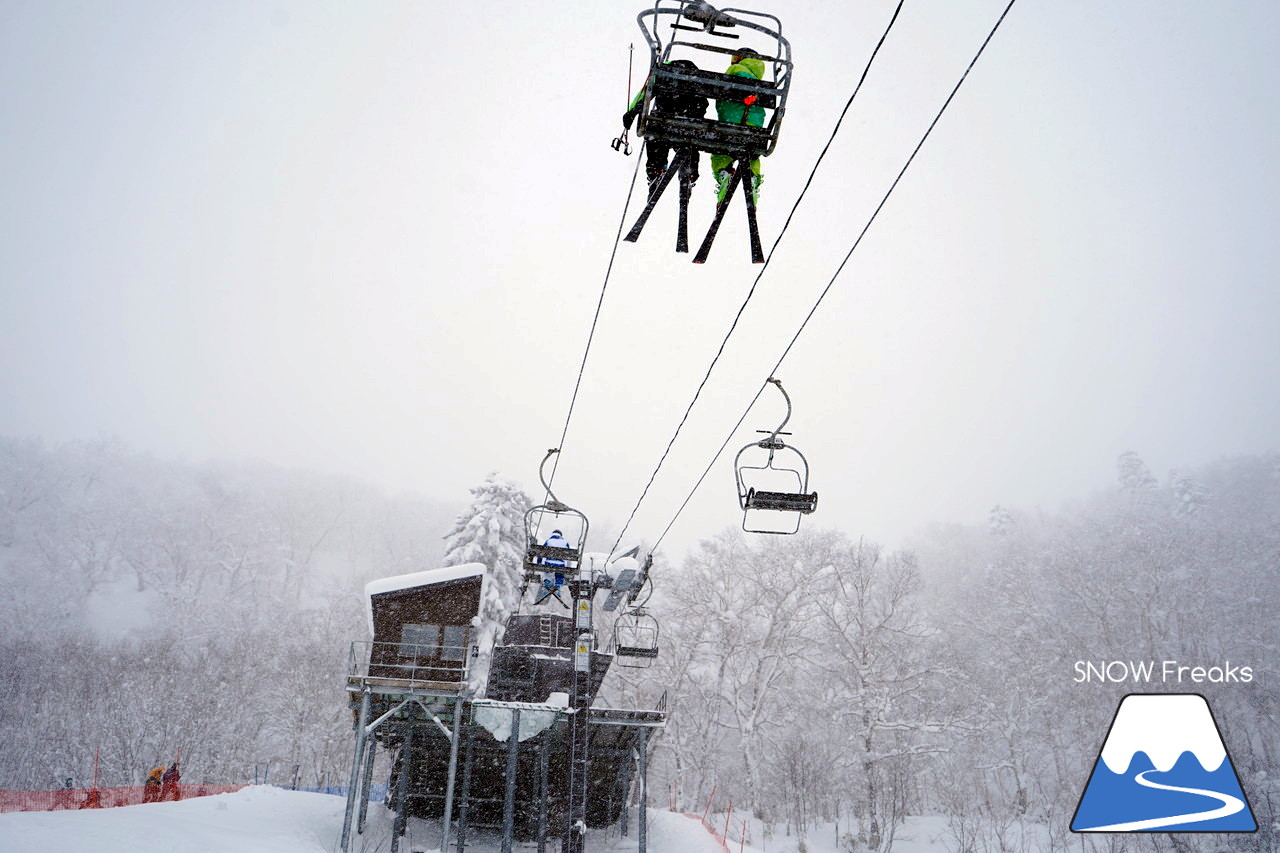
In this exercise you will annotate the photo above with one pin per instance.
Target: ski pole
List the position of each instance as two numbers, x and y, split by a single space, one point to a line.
621 143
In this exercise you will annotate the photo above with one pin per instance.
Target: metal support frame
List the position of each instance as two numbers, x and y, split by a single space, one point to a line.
352 788
466 786
574 838
642 817
368 779
544 792
362 764
509 796
453 773
401 822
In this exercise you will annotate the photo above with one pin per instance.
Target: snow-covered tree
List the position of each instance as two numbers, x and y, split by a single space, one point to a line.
1188 495
1135 476
886 674
1000 521
491 531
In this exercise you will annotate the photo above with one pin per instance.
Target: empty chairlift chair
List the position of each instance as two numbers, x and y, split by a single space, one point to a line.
774 492
635 638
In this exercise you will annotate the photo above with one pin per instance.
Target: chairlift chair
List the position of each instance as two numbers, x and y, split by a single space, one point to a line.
635 638
717 32
553 516
782 465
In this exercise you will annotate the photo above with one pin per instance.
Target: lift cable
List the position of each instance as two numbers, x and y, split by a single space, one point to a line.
840 268
742 308
596 319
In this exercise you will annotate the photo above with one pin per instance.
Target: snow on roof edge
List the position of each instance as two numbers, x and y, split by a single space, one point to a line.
448 573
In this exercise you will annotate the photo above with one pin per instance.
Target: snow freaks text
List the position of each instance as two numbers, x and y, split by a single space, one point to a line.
1167 672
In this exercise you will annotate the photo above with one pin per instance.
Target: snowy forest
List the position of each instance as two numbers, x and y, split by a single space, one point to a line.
153 606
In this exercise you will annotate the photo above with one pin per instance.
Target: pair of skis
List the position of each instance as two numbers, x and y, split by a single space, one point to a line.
740 176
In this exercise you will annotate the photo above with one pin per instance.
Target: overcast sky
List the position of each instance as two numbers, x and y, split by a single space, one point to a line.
369 239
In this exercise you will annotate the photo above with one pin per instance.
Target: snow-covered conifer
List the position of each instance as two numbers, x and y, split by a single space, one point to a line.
491 531
1000 521
1135 476
1189 496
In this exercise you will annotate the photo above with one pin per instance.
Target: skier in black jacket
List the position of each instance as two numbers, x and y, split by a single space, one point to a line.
679 105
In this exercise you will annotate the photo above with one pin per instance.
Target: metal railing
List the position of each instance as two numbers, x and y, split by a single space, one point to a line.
409 662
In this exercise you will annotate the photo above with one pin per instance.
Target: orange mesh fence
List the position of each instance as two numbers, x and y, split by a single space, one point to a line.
711 829
101 798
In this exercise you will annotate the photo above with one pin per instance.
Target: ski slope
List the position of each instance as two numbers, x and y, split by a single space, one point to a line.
264 819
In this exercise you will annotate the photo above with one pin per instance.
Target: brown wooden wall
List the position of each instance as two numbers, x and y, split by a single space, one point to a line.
449 603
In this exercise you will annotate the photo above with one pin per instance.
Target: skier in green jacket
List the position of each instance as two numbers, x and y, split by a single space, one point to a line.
746 63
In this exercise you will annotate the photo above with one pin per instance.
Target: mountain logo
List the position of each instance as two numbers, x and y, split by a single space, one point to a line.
1163 768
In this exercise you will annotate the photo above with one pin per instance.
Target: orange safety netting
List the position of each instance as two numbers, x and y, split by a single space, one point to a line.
101 798
724 845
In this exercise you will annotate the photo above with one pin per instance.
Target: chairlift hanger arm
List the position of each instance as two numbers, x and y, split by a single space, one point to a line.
772 440
553 502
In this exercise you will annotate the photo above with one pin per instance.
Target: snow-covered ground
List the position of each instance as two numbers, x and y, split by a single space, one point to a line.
262 819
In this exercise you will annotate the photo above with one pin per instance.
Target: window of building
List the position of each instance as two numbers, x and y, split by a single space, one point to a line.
420 641
455 643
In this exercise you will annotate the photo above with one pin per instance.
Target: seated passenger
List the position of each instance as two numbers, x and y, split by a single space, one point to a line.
746 63
555 540
679 105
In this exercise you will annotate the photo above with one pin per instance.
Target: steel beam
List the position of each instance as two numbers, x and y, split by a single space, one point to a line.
370 751
643 817
402 784
509 801
468 755
453 772
543 789
352 791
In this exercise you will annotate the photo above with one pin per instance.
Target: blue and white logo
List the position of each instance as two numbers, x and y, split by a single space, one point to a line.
1163 768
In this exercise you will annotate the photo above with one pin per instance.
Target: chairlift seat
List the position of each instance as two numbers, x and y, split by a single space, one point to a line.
714 137
636 652
782 501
